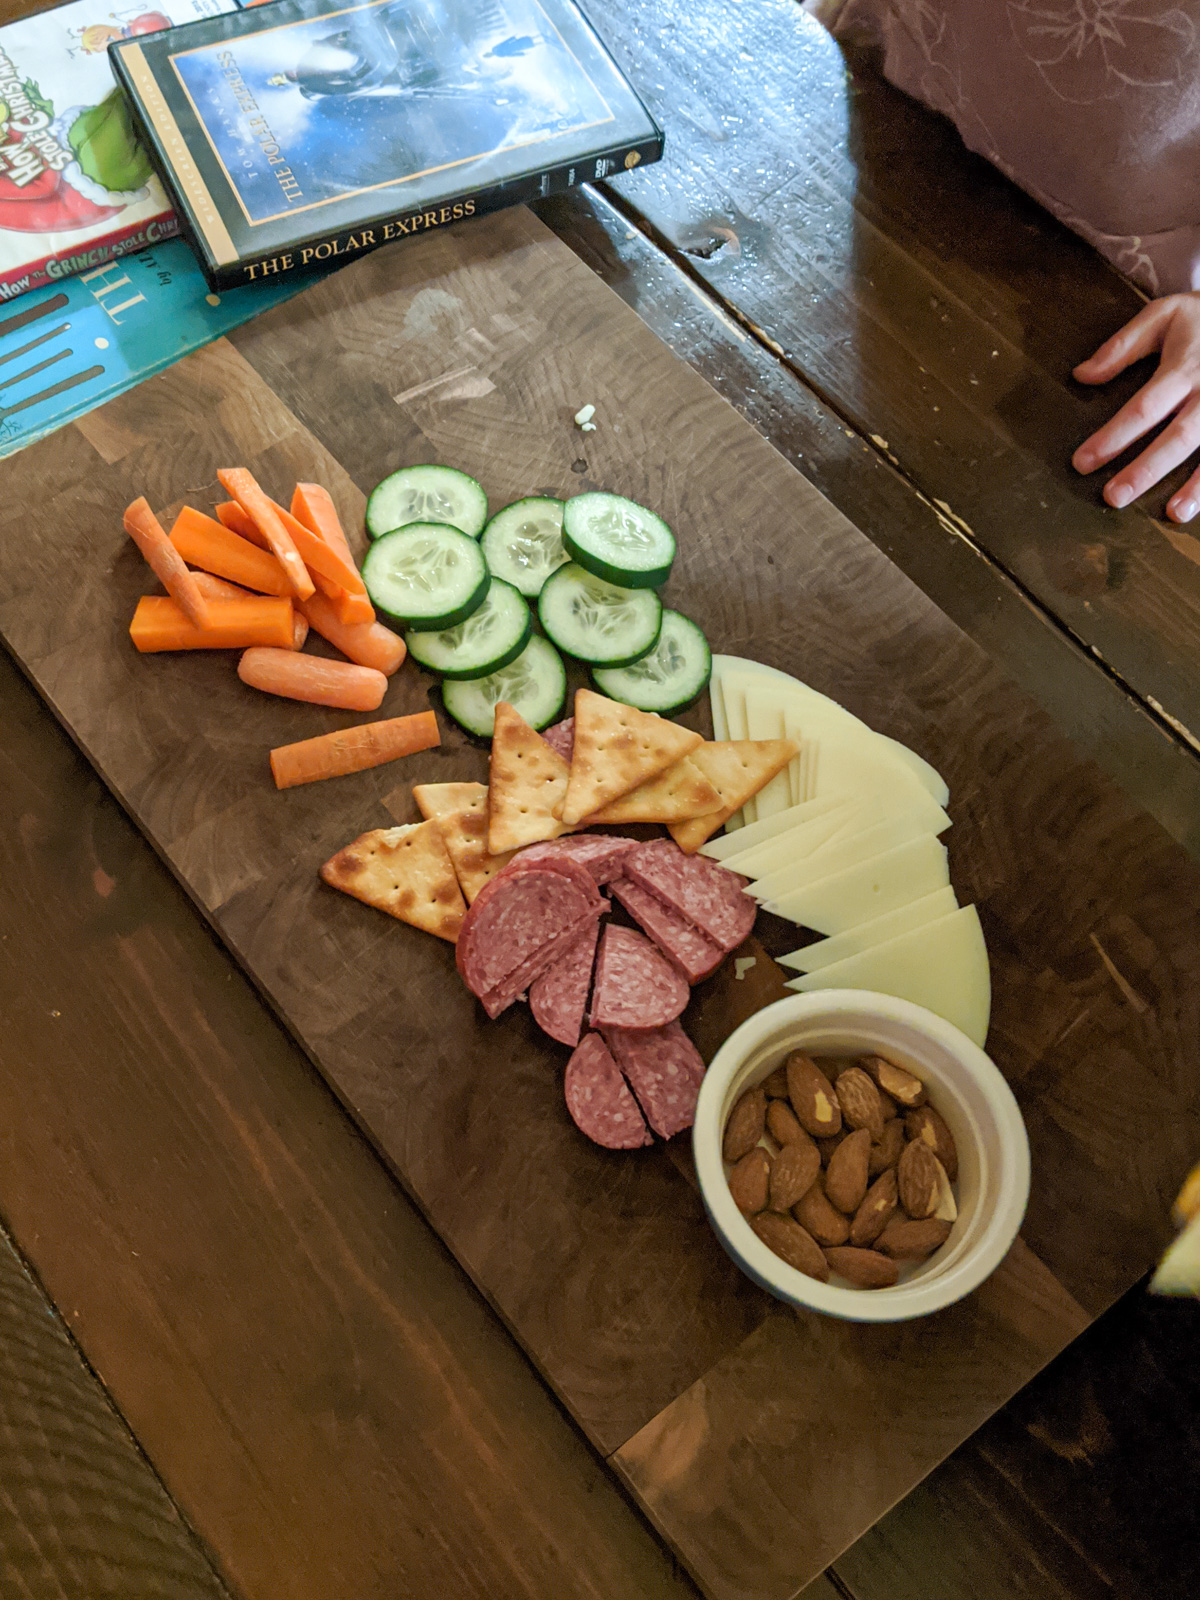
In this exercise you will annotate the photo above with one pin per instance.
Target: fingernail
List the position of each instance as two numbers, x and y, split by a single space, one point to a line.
1184 510
1120 496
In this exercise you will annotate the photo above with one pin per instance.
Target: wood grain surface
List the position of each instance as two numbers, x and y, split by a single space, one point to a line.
81 1511
933 306
320 1388
603 1267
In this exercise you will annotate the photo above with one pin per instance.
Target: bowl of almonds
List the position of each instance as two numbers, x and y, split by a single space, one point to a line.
859 1156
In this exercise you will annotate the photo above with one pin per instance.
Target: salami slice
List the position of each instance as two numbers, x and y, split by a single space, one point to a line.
562 862
693 952
558 999
665 1071
516 928
599 1100
602 854
703 892
636 986
561 737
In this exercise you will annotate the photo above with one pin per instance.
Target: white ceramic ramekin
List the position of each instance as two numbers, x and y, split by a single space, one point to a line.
963 1084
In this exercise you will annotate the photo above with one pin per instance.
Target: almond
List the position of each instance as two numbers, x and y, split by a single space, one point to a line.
860 1102
782 1124
812 1096
749 1181
876 1210
887 1105
926 1123
745 1126
947 1206
814 1212
793 1172
917 1177
792 1244
912 1241
865 1269
904 1087
776 1086
828 1146
886 1153
846 1174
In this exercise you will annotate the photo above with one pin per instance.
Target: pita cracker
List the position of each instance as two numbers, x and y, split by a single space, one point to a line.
528 780
737 769
436 799
465 834
617 748
406 872
682 791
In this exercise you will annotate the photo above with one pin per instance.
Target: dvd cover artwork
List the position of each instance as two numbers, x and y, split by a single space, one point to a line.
421 92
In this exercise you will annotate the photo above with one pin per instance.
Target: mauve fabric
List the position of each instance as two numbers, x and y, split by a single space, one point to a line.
1091 106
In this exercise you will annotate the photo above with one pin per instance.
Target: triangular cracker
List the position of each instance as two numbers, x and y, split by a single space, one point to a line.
682 791
436 799
616 749
465 834
737 769
406 872
528 780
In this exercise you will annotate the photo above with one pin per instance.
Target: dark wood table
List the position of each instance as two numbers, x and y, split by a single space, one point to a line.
326 1404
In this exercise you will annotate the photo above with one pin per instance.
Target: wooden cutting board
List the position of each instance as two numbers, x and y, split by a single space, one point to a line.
759 1441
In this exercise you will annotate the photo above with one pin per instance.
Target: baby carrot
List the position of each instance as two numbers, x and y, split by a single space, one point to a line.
168 566
323 683
211 545
230 515
217 589
313 506
368 643
335 755
351 602
159 623
242 486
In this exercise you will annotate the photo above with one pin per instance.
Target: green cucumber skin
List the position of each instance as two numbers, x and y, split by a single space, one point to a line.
621 577
662 711
374 518
453 673
625 661
546 602
617 691
552 715
427 624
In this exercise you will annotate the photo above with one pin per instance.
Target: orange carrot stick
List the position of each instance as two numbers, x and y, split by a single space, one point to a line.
323 683
230 515
334 755
217 589
242 486
368 643
159 623
313 506
320 557
210 545
168 566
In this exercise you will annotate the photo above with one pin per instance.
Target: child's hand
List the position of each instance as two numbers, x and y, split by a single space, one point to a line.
1171 325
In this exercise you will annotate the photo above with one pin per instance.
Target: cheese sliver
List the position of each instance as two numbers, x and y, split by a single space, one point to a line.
785 849
825 952
942 966
766 722
1179 1270
847 763
843 851
879 930
844 899
735 723
716 701
724 847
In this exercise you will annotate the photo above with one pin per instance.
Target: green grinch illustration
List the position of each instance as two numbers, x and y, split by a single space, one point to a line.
66 171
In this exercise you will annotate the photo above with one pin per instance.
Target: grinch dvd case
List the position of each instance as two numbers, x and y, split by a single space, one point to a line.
303 132
76 185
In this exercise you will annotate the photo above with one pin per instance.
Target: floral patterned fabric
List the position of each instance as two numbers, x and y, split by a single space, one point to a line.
1092 106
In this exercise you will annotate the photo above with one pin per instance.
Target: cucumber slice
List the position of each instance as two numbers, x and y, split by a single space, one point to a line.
489 639
426 494
597 621
428 573
523 543
535 683
618 540
666 678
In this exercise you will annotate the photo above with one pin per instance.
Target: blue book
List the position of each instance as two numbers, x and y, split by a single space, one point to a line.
68 347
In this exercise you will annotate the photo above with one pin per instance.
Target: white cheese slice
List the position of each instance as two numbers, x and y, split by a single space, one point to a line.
836 855
893 923
716 700
844 899
848 763
735 720
766 722
785 849
724 846
942 966
1179 1270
